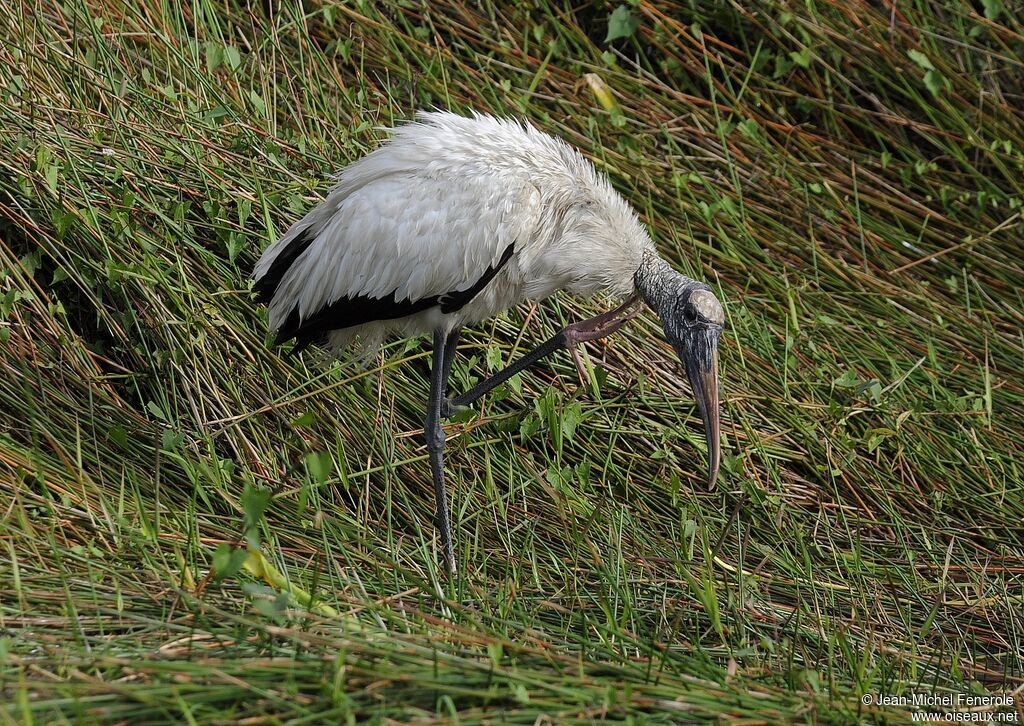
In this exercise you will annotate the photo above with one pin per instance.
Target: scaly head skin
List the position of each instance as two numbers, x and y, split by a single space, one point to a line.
693 320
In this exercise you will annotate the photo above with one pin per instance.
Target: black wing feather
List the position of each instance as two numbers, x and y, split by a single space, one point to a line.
347 312
266 286
452 301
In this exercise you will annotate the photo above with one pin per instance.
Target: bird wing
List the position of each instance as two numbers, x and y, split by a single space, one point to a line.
391 240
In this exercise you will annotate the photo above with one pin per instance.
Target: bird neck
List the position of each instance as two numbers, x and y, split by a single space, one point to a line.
661 286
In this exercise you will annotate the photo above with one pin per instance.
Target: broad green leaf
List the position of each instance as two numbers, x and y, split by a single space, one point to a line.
622 23
993 8
935 82
921 59
802 58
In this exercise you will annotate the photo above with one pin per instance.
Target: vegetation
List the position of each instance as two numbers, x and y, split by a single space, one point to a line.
196 527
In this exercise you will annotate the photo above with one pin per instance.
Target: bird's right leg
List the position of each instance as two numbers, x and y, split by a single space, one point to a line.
591 329
434 434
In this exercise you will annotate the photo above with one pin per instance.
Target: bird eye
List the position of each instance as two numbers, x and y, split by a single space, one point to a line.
690 313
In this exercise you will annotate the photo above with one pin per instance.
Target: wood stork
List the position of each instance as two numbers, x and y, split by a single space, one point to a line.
456 219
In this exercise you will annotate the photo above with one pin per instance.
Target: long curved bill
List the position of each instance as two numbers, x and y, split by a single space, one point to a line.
700 358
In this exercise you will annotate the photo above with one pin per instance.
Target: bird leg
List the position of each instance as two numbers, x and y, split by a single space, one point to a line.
434 434
591 329
450 345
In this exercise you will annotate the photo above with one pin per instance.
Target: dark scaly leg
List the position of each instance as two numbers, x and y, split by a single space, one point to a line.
434 434
591 329
450 345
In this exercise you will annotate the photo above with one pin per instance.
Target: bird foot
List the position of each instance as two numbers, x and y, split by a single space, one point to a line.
593 329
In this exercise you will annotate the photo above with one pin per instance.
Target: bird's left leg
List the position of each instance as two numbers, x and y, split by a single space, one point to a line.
434 434
451 343
590 329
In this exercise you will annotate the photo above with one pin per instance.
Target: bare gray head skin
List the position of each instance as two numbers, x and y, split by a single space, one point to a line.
693 320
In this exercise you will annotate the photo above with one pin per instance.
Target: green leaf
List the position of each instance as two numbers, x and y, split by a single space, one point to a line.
228 560
529 426
51 177
319 465
215 114
274 610
921 59
935 82
214 57
750 129
258 103
232 56
571 417
170 440
519 692
7 303
622 23
872 387
244 210
493 356
154 408
801 58
782 66
847 380
993 8
31 262
118 435
254 502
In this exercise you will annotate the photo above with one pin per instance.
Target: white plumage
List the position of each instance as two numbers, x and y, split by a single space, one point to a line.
455 219
428 212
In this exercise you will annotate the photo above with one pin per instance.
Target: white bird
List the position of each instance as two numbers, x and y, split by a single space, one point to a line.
456 219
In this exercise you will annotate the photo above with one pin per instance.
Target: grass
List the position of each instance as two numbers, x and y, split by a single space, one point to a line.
847 176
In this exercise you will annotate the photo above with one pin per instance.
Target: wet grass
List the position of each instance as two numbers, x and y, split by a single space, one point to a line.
847 176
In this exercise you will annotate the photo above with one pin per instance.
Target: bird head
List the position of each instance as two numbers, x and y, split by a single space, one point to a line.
693 320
